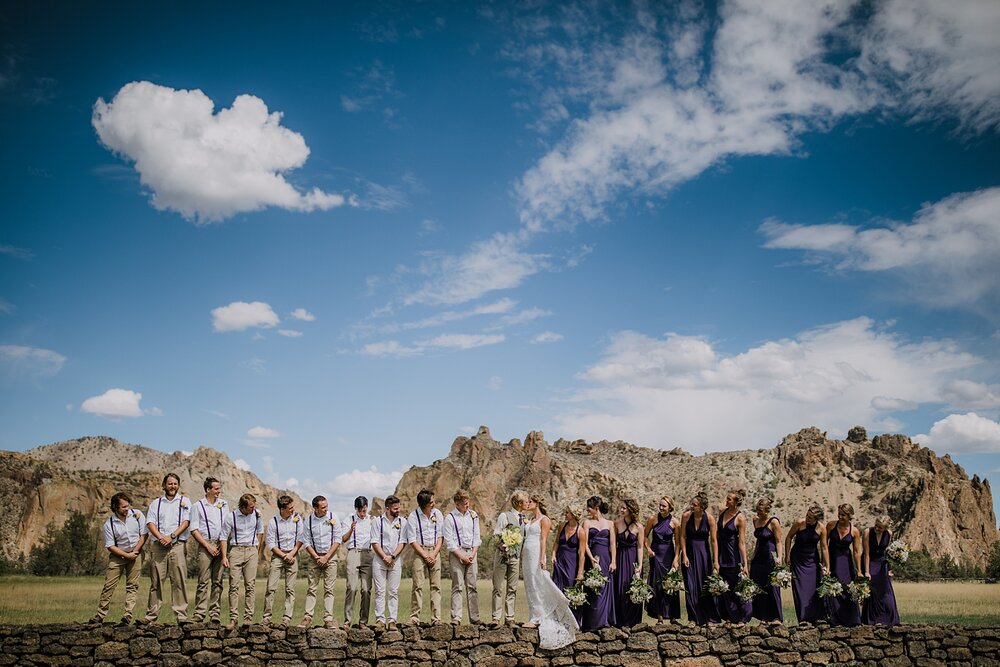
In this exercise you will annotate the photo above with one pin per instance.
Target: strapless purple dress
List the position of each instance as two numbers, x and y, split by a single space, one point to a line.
599 611
627 613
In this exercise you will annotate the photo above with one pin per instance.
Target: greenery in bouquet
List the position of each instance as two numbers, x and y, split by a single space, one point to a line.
511 539
898 552
747 588
639 591
859 589
781 576
576 595
672 582
715 584
829 587
594 579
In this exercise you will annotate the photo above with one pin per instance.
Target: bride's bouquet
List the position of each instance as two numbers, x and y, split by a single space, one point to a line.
639 591
594 579
576 595
511 539
715 584
672 582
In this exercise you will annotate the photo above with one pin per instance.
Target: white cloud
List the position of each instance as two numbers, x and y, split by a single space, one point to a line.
263 432
31 363
948 254
207 166
242 464
240 315
256 365
526 315
303 315
966 394
495 264
547 337
16 252
393 348
963 433
6 307
290 333
154 412
682 391
446 317
340 491
889 404
390 348
114 404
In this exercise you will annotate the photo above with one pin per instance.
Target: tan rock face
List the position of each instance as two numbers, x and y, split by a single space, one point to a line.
43 485
930 499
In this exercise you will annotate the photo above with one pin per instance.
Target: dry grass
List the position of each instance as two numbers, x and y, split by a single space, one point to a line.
25 599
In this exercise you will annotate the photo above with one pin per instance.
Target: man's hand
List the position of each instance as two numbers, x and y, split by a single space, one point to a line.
166 540
225 562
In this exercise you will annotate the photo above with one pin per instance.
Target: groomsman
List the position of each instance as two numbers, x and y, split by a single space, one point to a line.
207 517
284 539
507 562
321 539
167 521
388 541
124 534
426 535
461 536
358 542
242 543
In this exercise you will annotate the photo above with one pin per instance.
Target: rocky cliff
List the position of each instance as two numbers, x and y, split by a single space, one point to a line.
931 500
42 485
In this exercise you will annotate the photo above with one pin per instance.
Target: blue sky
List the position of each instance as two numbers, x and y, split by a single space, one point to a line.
329 238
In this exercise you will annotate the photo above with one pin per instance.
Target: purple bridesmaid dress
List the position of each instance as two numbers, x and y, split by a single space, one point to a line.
701 607
842 610
806 573
565 566
599 611
661 542
766 607
627 613
731 607
880 607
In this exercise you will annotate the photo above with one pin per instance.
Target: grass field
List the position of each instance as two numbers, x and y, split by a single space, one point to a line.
25 599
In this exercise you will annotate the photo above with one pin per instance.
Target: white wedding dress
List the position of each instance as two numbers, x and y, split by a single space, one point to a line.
547 605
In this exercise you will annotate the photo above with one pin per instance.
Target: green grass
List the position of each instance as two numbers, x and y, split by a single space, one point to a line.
26 599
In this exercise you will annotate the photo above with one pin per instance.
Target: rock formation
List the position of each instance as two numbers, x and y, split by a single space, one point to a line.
931 500
42 485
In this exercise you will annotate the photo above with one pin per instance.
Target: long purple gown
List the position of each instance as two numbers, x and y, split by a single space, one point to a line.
731 607
880 607
842 610
701 607
806 573
566 564
661 541
627 613
599 611
766 607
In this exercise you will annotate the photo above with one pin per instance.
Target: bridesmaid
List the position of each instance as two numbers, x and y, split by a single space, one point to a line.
599 546
567 554
732 539
843 548
697 535
880 607
663 544
766 554
804 559
630 544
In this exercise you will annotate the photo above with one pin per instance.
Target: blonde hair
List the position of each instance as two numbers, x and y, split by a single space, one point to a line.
539 500
670 501
633 509
766 502
847 509
739 495
517 499
883 521
460 495
815 512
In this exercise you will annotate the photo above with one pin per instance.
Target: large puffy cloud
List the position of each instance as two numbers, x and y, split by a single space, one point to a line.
207 166
963 433
22 361
681 390
114 404
240 315
948 253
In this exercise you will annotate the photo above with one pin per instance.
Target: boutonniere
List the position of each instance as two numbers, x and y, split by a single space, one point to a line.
184 504
434 518
135 514
473 513
397 525
295 518
219 504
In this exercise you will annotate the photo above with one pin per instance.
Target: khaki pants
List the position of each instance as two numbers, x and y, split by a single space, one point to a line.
359 572
328 574
116 567
463 580
167 562
281 570
505 575
208 596
421 573
386 586
242 571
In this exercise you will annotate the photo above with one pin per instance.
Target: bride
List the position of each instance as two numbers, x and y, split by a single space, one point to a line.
547 606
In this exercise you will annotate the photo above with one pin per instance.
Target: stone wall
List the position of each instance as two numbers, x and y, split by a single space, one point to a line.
464 646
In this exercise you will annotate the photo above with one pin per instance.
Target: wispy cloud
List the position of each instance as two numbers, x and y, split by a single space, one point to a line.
289 333
394 348
16 252
6 307
21 362
547 337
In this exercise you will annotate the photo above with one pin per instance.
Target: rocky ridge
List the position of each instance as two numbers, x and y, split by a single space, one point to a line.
931 500
42 485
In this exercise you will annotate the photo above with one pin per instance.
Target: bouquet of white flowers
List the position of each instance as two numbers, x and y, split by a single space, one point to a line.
898 552
781 576
715 584
859 589
672 582
639 591
747 588
829 587
593 578
576 595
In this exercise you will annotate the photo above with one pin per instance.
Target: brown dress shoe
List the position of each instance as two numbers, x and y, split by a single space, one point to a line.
331 625
307 622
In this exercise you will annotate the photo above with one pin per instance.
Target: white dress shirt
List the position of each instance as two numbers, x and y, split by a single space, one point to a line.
321 533
124 534
425 530
361 538
241 530
167 515
461 531
388 534
208 518
284 533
